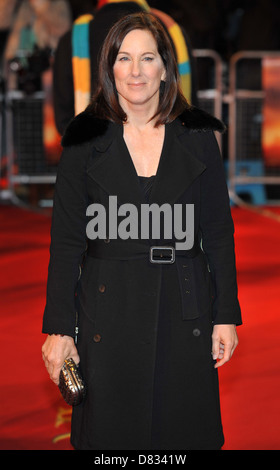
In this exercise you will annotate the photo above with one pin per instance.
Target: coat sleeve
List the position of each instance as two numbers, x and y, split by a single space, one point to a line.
68 242
217 230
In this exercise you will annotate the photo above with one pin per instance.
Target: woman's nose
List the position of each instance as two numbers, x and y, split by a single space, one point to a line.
135 68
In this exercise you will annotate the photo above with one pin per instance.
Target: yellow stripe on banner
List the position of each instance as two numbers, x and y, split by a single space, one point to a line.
82 78
178 38
81 82
185 81
83 19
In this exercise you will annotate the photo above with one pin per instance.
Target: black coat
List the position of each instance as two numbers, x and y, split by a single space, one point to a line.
144 329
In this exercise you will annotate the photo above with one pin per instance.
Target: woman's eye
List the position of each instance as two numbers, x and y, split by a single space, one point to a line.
123 58
148 58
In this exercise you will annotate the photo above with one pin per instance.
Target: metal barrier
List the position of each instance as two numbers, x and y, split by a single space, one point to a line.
24 143
245 165
247 171
210 83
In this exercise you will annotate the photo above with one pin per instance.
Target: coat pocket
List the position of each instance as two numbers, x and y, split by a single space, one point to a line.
88 292
195 286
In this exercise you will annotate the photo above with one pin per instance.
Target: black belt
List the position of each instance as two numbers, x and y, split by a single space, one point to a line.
128 249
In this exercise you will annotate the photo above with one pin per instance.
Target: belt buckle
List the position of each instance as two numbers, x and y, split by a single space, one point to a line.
162 254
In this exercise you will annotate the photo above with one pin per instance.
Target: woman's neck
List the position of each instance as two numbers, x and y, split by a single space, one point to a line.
139 116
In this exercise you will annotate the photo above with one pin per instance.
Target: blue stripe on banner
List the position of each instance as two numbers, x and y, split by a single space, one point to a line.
184 68
80 42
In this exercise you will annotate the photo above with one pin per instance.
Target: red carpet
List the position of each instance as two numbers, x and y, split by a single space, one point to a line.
32 414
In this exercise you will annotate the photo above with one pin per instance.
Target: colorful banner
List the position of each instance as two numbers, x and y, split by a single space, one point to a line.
271 111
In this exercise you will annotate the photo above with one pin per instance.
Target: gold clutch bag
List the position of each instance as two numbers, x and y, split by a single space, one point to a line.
71 384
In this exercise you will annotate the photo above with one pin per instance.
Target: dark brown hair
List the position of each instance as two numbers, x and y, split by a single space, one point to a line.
105 102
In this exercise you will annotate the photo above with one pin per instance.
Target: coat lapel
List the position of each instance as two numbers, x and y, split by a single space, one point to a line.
112 168
178 168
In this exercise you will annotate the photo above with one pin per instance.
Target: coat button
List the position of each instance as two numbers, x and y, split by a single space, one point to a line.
196 332
101 288
96 338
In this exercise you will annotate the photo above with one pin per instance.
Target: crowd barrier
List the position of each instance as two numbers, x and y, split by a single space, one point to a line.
210 83
26 157
247 167
254 105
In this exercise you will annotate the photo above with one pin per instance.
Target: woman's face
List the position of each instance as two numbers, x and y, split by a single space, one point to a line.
138 70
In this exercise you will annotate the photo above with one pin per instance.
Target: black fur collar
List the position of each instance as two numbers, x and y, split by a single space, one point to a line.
87 126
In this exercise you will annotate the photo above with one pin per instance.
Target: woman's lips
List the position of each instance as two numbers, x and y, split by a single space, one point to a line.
136 84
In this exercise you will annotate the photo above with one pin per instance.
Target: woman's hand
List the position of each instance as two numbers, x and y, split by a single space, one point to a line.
224 342
55 350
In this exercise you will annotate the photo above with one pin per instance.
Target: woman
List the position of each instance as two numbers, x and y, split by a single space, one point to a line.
152 329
